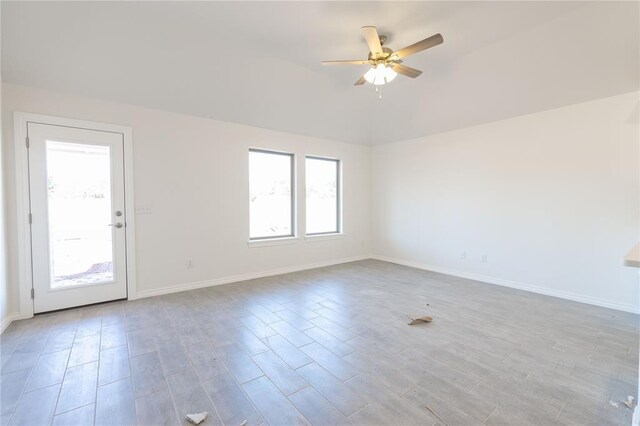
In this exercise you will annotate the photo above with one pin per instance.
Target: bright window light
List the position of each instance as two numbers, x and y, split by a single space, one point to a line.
271 201
322 176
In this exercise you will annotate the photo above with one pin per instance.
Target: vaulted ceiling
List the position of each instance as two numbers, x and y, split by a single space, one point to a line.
258 63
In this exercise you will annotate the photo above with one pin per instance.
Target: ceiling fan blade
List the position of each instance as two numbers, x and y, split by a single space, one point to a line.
434 40
373 40
405 70
346 62
360 81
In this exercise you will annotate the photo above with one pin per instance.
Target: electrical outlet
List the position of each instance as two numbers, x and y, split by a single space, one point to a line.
484 257
463 255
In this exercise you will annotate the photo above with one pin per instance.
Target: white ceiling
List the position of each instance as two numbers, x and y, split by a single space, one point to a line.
258 63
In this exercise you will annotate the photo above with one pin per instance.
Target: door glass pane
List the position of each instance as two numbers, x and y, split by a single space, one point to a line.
79 201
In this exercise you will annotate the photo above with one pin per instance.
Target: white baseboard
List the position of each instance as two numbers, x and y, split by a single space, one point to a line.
243 277
635 420
6 322
517 285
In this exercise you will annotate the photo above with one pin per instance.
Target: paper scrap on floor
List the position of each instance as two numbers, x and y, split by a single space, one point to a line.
419 320
197 418
629 402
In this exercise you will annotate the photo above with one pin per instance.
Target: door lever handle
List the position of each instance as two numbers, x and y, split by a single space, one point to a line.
117 225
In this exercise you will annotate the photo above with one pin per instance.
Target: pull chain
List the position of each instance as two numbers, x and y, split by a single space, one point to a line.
379 92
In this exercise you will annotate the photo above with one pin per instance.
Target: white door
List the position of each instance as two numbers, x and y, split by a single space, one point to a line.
78 232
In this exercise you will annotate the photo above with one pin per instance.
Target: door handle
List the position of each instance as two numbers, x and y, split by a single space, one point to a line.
117 225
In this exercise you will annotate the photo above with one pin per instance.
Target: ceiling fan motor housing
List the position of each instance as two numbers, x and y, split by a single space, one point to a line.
386 52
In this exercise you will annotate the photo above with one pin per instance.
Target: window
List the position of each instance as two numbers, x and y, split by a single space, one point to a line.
271 202
323 195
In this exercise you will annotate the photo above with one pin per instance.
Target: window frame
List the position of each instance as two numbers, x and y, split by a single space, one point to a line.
292 171
338 162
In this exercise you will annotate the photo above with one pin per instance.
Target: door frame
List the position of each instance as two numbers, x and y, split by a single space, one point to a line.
23 199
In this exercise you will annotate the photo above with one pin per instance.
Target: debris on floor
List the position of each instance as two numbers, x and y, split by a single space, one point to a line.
244 422
614 404
419 320
197 418
436 414
629 402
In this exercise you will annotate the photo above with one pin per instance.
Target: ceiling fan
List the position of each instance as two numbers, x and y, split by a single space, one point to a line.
385 63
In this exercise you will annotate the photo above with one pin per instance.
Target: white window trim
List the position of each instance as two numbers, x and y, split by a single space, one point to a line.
324 237
25 275
340 200
266 242
294 202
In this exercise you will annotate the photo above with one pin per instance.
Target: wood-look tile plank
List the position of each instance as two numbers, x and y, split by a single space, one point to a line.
49 370
230 400
115 404
147 373
330 342
257 326
112 336
316 408
274 407
156 409
281 375
141 341
85 349
79 387
206 360
189 396
114 365
239 364
173 356
249 341
24 355
293 335
330 361
11 386
287 351
339 394
331 327
443 410
80 416
88 327
59 340
36 407
375 390
294 319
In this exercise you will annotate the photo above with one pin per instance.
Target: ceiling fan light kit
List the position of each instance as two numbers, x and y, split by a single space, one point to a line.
385 63
380 75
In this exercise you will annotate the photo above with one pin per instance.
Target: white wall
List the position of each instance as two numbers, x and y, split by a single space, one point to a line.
193 173
5 290
551 198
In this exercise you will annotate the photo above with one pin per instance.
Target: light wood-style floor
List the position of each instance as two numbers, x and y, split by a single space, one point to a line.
327 346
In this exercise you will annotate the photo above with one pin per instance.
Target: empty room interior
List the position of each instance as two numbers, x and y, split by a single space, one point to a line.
320 213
